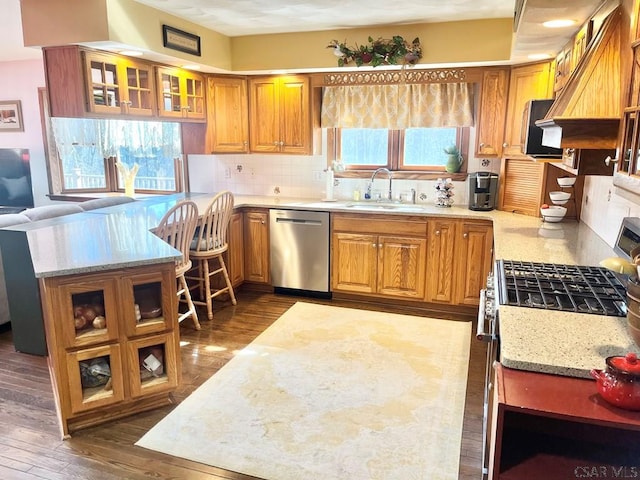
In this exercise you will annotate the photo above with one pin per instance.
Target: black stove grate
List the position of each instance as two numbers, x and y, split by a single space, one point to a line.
572 288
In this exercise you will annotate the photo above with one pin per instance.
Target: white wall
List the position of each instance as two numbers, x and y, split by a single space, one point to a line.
20 80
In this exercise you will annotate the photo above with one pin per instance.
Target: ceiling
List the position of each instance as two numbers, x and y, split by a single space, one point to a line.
249 17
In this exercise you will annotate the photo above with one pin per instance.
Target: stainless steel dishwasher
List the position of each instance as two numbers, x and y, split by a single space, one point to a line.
299 250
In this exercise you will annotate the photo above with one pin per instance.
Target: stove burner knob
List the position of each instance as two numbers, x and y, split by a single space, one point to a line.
490 294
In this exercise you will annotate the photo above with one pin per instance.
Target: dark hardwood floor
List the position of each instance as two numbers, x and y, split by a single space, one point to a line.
30 443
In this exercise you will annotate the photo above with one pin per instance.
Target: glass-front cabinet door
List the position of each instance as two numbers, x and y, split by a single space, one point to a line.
103 83
118 85
181 94
95 377
139 88
89 312
149 302
151 366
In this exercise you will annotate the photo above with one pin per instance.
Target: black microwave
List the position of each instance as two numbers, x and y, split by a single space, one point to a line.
531 134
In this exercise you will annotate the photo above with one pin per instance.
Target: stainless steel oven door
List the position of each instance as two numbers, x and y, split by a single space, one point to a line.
487 331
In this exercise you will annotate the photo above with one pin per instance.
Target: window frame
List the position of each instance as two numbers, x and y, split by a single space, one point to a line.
395 154
55 171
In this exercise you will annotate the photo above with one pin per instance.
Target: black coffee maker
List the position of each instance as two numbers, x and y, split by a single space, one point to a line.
483 190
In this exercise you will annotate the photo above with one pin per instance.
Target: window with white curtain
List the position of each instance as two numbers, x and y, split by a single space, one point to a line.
86 151
401 127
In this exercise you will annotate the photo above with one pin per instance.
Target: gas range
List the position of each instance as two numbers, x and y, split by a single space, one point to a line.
571 288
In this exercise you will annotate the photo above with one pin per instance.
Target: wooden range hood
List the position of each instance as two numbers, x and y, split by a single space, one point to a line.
586 113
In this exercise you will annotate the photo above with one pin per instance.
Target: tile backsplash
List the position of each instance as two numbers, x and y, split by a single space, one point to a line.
604 207
303 176
295 176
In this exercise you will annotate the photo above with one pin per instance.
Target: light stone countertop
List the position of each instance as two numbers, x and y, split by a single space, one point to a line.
531 339
95 243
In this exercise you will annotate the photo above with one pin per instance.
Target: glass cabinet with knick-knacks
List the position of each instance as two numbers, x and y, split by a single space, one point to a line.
119 85
181 94
113 342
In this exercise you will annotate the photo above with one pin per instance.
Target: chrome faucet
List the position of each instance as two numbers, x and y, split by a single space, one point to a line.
389 174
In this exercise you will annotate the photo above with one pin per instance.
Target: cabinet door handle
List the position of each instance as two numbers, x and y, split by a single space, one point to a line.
465 235
276 143
437 232
374 245
482 145
505 145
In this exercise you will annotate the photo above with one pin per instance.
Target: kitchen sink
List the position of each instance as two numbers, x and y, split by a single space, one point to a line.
399 207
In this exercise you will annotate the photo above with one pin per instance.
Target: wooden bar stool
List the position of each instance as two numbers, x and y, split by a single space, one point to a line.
177 228
210 242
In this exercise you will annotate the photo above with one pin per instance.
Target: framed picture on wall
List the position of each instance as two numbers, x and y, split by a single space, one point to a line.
11 116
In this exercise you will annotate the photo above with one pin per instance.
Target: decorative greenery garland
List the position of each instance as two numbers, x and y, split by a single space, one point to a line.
378 52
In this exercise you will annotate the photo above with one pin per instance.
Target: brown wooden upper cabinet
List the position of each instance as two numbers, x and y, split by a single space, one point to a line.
280 114
493 106
181 94
118 85
504 93
564 67
90 83
227 115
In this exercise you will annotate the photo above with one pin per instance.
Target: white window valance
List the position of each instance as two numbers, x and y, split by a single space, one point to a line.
108 136
398 106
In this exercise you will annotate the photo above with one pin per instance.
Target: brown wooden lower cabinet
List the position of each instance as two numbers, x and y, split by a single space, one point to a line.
381 256
428 259
234 256
557 428
256 246
459 256
113 342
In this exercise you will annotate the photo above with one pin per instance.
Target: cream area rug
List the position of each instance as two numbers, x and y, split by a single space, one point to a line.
331 393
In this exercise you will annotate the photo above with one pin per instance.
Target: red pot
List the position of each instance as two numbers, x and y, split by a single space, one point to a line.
619 384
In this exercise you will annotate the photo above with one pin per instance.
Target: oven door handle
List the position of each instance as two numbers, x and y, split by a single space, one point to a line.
480 332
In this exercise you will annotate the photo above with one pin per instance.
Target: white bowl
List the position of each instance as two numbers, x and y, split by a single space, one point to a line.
566 181
554 213
559 198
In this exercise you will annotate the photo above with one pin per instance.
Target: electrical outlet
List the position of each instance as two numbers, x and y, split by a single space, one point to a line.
317 175
227 172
